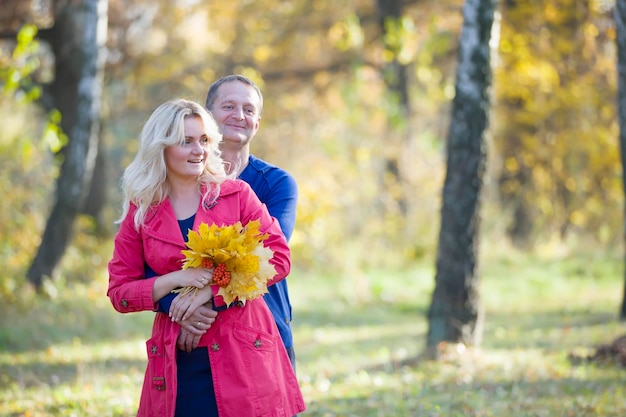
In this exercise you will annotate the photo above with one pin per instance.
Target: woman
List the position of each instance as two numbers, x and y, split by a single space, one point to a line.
177 181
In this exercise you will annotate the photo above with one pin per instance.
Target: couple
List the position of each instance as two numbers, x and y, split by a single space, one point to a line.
206 358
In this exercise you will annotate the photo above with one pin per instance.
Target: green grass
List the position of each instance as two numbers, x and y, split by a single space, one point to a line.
358 344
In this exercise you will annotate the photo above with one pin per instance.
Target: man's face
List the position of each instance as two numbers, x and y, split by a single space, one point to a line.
236 111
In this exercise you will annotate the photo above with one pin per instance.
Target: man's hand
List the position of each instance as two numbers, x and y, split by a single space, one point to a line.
194 327
187 341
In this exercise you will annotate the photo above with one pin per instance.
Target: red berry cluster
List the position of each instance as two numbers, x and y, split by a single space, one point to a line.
207 263
221 276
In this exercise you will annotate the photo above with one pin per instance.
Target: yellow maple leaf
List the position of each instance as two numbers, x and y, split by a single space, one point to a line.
241 250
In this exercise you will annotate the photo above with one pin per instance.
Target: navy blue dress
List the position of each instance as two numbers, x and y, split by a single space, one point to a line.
195 396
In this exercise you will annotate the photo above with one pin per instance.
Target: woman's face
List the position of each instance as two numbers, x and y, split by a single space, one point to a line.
188 159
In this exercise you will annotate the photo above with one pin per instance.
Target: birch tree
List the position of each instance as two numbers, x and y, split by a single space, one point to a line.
78 41
620 23
454 311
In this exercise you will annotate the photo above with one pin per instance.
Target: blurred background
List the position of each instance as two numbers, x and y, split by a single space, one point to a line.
357 97
358 103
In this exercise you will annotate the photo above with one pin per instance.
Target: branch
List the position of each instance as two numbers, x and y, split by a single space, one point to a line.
8 34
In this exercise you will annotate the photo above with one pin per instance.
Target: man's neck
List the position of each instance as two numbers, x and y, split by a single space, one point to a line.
237 158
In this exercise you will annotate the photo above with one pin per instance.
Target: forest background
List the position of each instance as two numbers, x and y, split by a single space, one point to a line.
357 108
369 173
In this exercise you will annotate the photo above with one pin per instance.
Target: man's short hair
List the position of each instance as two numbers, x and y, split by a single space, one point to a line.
212 94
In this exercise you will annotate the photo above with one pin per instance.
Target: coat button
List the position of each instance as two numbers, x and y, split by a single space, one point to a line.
258 343
124 303
215 347
154 349
287 320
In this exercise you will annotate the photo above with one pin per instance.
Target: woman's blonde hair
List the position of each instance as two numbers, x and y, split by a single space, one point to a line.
144 181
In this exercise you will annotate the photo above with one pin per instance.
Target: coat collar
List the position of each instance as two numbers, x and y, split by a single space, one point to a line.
161 222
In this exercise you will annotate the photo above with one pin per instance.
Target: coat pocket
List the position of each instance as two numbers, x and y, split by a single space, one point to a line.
155 371
261 359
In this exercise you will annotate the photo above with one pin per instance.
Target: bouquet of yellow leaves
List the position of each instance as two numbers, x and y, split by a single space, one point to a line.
241 262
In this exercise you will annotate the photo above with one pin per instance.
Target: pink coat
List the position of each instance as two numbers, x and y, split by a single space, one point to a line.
252 374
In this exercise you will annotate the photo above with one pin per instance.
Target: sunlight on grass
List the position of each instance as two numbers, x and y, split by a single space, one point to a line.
77 352
73 379
536 313
358 341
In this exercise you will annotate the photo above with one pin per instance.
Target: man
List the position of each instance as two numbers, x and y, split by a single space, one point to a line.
236 104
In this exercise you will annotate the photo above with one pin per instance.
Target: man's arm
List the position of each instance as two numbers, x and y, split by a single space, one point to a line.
163 306
281 202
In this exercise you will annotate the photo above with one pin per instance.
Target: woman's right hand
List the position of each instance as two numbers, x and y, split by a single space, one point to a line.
196 277
192 277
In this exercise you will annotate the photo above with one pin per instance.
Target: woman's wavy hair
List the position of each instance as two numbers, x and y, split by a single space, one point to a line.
144 182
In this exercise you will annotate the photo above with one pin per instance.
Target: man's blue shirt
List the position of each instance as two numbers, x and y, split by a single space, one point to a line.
278 190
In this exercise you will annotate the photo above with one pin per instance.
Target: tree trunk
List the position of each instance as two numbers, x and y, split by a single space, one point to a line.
454 313
395 75
14 14
394 72
97 193
78 41
620 23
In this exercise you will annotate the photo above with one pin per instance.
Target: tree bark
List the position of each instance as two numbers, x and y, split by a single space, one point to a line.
13 15
395 75
394 72
454 313
78 41
620 23
97 193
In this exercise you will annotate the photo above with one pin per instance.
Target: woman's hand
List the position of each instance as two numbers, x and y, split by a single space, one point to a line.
186 304
196 277
191 277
